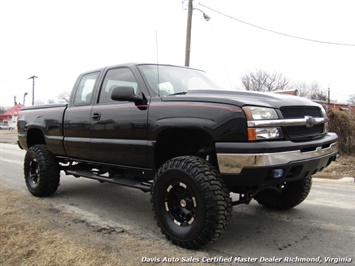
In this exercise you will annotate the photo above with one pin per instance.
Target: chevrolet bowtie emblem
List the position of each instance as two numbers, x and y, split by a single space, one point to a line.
310 121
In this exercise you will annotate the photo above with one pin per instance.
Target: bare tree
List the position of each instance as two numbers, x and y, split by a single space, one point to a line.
261 80
316 93
64 96
351 99
311 91
38 102
2 109
303 89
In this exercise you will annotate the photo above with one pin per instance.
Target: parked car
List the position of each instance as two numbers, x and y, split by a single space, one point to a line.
5 127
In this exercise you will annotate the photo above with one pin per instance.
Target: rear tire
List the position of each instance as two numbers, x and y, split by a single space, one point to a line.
290 195
42 172
191 203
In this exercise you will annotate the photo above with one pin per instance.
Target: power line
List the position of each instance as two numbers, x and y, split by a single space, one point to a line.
276 32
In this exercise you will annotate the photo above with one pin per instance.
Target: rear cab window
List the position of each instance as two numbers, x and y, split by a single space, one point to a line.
85 89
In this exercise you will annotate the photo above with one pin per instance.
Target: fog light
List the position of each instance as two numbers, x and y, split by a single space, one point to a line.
277 173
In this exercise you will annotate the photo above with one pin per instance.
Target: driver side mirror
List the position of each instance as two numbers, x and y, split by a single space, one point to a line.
125 93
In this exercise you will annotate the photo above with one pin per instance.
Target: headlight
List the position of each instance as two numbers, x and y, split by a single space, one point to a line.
260 113
262 133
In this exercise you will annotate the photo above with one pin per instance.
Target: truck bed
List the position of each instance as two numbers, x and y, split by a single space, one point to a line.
48 119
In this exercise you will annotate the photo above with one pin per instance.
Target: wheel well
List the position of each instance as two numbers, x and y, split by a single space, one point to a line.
177 142
35 137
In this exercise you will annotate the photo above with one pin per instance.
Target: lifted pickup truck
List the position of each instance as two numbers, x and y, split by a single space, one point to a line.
170 131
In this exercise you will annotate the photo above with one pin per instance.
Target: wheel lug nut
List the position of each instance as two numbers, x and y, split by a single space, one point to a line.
183 203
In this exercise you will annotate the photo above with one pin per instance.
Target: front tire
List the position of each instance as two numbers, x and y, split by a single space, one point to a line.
42 172
287 196
191 203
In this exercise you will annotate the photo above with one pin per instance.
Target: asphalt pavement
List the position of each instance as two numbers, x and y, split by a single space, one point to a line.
320 230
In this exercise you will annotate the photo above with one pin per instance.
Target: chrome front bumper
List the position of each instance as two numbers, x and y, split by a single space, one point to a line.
233 163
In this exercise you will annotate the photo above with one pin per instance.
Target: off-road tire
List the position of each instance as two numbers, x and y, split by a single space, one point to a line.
42 172
191 203
290 195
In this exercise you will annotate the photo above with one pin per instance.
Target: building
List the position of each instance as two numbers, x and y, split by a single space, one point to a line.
10 116
289 92
334 106
337 106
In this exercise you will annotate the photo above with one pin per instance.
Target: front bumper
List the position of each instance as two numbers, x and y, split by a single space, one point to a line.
234 163
253 163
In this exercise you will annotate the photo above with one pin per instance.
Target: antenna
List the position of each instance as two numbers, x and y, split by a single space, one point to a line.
157 52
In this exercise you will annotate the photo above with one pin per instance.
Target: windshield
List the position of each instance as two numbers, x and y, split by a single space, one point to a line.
168 80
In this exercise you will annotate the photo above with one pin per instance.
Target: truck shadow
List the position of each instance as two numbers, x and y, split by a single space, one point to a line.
252 224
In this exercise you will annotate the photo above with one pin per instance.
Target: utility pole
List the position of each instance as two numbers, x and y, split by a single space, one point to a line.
33 88
190 8
188 33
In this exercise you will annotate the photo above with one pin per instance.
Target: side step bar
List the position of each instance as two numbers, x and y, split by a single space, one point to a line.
145 187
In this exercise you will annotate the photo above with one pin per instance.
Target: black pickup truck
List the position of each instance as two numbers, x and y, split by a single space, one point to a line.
170 131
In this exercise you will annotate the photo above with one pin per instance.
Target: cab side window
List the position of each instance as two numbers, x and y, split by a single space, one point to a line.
116 77
84 92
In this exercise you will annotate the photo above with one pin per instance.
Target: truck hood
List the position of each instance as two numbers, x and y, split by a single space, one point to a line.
242 98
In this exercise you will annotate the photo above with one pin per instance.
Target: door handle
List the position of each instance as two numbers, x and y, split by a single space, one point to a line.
96 116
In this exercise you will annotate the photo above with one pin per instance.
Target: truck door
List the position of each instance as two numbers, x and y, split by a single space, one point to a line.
78 116
119 128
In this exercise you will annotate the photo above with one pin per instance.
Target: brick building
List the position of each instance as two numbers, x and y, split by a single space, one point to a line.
338 106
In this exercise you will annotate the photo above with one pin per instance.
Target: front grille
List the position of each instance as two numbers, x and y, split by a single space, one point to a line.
300 112
302 132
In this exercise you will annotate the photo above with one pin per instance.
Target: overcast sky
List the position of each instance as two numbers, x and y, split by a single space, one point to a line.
57 40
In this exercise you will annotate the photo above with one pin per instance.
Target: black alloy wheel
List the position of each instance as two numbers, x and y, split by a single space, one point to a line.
190 201
41 170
